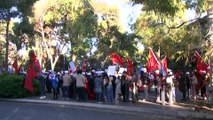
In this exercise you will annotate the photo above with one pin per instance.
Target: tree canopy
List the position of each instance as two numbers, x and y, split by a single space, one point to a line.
91 29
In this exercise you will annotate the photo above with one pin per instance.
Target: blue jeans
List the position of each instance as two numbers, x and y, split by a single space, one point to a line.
99 96
82 96
42 82
65 91
109 93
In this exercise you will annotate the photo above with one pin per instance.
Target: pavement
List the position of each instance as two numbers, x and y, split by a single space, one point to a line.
179 110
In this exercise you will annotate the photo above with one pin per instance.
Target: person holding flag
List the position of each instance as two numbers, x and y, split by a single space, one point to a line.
34 70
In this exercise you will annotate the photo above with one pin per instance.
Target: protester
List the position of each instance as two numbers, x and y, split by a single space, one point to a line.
48 82
72 86
203 85
188 85
134 85
54 80
170 86
80 84
34 70
65 85
125 87
118 88
193 85
98 88
145 81
183 85
158 84
108 89
42 81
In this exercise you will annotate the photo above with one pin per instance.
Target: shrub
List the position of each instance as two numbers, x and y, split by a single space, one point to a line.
12 86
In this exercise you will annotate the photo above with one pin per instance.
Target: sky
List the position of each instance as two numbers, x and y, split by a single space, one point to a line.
129 13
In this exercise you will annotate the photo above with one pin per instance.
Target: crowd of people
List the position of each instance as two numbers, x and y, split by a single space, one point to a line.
120 87
99 86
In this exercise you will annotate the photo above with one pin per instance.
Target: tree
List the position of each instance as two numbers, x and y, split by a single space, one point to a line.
67 21
10 9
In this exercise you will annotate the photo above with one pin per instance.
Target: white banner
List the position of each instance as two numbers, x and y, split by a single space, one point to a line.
72 66
121 70
111 70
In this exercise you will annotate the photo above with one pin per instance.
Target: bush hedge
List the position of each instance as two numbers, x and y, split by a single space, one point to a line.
12 86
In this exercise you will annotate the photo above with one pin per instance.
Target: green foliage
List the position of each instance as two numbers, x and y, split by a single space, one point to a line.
171 7
175 43
162 7
12 87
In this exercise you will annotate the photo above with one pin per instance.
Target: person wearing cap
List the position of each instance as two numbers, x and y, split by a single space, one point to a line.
145 81
65 85
170 85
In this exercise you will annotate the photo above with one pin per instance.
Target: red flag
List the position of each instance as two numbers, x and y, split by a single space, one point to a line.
33 69
153 63
84 66
164 64
201 65
129 66
15 66
116 59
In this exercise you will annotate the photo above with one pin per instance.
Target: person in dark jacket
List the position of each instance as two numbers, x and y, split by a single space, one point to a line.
183 85
125 87
188 85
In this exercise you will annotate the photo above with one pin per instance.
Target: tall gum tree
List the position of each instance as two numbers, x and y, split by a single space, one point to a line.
11 9
72 19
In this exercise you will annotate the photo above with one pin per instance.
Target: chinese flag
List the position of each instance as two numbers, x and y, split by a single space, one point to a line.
31 74
116 59
129 66
201 65
153 63
164 65
15 66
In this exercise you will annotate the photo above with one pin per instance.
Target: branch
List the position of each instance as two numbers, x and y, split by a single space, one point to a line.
173 27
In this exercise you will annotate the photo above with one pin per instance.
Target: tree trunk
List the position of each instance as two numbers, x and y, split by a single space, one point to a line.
7 44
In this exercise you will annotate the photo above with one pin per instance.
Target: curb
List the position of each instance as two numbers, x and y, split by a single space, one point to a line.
163 112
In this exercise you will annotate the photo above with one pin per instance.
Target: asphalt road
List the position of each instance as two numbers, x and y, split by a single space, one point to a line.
30 111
